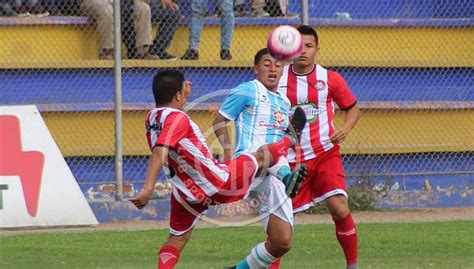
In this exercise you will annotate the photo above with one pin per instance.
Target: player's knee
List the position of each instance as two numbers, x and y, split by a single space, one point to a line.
340 212
338 206
285 246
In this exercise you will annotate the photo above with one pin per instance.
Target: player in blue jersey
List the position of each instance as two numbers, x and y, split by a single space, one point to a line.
260 115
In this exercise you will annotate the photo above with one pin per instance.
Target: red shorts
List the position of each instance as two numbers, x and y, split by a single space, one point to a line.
325 179
185 214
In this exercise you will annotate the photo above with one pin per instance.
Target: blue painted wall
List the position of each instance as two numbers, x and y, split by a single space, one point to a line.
428 179
101 169
93 89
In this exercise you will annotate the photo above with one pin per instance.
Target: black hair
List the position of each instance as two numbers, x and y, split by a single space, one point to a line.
308 30
166 84
259 55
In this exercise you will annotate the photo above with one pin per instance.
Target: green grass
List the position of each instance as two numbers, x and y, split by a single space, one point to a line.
383 245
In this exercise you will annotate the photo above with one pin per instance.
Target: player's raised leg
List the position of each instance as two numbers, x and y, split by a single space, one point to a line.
269 157
293 180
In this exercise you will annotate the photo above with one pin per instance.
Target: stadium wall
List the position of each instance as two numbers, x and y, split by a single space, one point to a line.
404 74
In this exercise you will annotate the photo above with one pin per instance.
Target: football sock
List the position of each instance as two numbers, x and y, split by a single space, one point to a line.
281 169
258 258
242 265
279 148
347 236
168 257
275 264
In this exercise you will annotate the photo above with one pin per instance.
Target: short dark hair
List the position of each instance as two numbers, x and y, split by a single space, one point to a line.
308 30
166 84
259 55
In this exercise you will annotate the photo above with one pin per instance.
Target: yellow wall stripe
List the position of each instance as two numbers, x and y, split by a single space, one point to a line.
379 131
62 46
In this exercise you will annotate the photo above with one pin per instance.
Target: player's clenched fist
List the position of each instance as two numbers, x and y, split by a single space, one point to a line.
142 198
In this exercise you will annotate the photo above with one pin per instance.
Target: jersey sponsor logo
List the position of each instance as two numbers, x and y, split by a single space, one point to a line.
279 117
271 126
310 109
157 127
320 85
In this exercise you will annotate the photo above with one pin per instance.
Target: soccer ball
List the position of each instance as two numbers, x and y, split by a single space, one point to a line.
285 43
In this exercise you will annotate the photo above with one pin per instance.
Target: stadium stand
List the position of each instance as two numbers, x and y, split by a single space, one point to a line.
394 72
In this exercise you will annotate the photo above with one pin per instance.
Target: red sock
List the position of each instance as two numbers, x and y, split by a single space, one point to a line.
279 149
347 236
275 264
168 257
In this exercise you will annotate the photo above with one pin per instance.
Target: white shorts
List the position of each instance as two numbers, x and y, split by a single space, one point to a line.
270 196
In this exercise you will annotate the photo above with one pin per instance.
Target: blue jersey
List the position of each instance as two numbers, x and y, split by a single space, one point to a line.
260 115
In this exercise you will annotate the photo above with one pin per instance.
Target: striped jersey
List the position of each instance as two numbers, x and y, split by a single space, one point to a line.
260 116
316 92
190 165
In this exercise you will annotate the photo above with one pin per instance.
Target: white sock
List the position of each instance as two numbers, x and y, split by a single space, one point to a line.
281 169
259 257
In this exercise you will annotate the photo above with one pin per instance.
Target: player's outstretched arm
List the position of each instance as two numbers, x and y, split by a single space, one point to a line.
155 164
221 130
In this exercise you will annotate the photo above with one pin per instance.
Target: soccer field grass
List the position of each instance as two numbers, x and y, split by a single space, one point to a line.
381 245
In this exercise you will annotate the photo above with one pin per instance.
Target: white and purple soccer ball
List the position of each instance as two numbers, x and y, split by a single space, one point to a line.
285 43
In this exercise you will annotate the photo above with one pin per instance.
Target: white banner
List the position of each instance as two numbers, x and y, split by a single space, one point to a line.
37 187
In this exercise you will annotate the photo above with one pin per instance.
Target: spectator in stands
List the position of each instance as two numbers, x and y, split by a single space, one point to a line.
257 9
198 11
102 12
279 8
24 8
6 10
70 7
263 8
165 14
54 7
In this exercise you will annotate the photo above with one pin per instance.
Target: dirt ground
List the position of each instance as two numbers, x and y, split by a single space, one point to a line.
403 215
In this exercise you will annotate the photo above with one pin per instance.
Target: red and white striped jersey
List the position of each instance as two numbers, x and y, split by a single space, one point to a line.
190 164
316 92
